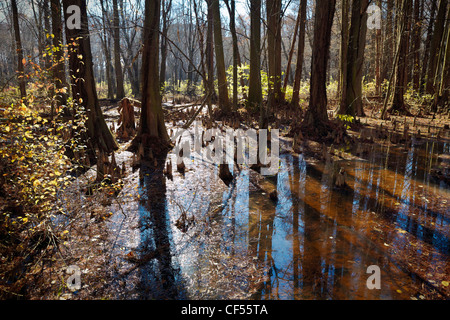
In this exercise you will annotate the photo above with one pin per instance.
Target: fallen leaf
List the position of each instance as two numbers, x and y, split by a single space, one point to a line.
445 283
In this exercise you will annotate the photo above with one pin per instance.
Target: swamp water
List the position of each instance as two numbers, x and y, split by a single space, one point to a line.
199 239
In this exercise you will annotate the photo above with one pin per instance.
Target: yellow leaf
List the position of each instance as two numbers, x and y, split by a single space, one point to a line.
445 283
36 183
7 129
25 220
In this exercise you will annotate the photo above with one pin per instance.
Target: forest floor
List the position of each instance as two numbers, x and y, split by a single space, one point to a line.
112 240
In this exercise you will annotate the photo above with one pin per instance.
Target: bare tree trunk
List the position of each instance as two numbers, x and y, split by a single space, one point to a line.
107 53
232 12
300 53
378 58
351 103
417 33
19 50
274 50
441 80
343 49
398 102
426 56
166 7
435 44
291 53
83 83
117 63
59 75
210 54
224 102
152 132
316 116
255 92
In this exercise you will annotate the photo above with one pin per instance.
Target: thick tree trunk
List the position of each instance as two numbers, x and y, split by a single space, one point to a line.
117 63
316 116
398 102
19 51
224 102
435 45
59 75
300 53
152 132
255 92
83 84
351 103
426 56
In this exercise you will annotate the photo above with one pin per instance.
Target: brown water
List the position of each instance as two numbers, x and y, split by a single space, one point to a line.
316 242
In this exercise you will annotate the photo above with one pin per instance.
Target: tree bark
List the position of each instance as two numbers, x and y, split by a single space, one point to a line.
107 53
117 63
426 56
300 53
255 91
343 49
274 50
83 84
166 6
351 103
316 116
59 75
435 44
417 33
152 132
398 102
19 51
209 55
224 102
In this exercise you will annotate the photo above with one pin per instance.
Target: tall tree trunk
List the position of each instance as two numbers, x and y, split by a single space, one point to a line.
166 7
389 41
441 80
83 84
19 50
255 91
106 50
435 44
352 99
398 102
426 56
417 34
59 75
224 102
117 63
232 12
300 53
273 8
209 54
152 133
343 48
378 57
316 116
291 53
